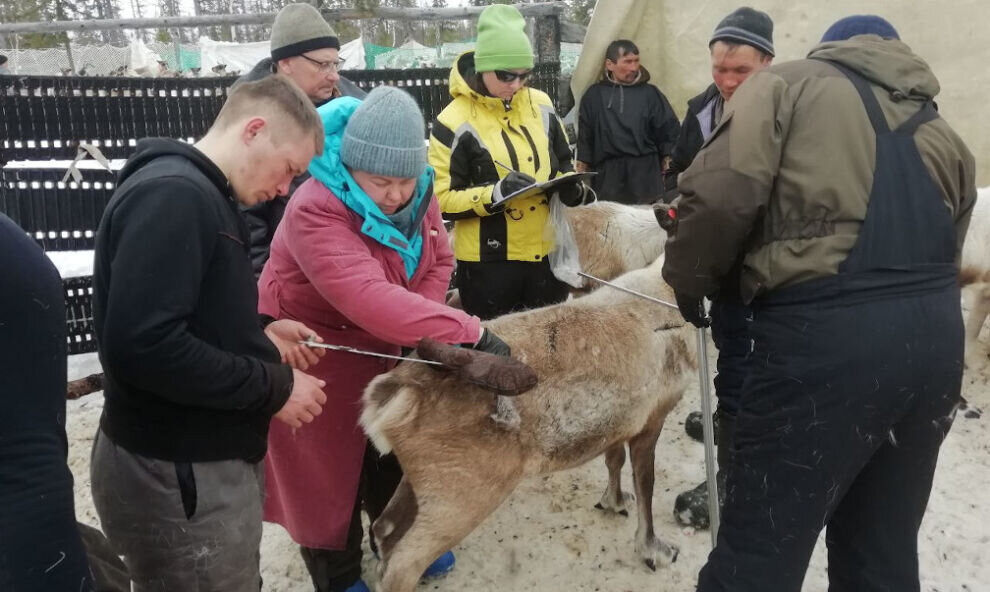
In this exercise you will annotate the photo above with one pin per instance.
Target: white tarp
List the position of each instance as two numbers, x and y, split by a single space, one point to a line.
237 57
143 61
352 53
673 40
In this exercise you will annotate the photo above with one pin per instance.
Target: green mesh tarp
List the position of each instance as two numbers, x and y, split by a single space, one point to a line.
188 55
371 52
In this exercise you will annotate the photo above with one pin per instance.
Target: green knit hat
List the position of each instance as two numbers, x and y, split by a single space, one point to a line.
386 135
502 40
299 28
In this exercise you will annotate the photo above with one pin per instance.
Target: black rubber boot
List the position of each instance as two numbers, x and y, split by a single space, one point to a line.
691 506
692 426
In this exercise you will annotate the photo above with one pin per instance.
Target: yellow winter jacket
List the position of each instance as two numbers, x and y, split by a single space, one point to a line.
467 138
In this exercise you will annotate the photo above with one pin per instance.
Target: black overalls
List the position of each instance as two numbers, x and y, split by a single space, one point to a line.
851 388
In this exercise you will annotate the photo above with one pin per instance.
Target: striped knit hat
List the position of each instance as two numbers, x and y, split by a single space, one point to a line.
748 26
299 28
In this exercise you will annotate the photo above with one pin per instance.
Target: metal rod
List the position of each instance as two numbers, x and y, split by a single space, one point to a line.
361 352
627 290
708 434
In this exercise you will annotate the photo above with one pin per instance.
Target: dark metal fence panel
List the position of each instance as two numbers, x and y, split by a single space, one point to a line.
45 118
79 314
60 216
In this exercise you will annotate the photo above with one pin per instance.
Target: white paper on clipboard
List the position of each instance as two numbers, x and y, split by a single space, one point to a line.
548 187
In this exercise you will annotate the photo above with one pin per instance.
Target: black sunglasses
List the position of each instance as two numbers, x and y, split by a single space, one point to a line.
506 76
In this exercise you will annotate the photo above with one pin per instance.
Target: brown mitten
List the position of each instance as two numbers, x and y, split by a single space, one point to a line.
503 375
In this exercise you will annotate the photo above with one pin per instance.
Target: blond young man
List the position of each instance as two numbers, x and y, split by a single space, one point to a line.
192 378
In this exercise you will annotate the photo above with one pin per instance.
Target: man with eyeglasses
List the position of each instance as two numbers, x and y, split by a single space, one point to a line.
305 48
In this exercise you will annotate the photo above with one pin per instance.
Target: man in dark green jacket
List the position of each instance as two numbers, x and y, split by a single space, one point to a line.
849 198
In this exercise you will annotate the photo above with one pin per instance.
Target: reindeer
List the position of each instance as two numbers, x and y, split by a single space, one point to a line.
615 238
611 367
975 275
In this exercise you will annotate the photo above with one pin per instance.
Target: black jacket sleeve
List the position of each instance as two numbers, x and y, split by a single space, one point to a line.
560 151
159 249
586 130
666 128
689 142
261 220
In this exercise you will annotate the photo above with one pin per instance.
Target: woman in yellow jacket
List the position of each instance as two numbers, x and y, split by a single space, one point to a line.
495 122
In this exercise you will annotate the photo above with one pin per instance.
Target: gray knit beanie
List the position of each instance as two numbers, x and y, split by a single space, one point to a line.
299 28
747 26
386 135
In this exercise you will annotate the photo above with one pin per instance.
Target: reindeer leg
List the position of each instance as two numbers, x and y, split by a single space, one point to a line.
641 452
614 500
978 311
442 518
395 520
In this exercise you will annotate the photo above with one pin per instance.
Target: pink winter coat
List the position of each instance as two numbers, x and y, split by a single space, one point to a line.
353 291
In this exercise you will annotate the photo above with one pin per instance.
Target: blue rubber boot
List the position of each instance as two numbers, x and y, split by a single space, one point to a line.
358 586
441 566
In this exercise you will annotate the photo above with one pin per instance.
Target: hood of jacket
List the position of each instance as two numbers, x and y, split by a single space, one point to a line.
330 170
642 78
886 62
463 71
154 148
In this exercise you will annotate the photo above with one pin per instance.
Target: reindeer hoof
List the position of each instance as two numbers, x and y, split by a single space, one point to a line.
621 506
656 552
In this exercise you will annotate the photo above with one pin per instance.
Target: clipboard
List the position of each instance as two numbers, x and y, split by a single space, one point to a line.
548 186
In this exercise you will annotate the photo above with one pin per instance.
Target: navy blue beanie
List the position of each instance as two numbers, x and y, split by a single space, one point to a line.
860 24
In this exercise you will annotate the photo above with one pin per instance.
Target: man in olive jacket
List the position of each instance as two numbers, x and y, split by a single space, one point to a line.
849 197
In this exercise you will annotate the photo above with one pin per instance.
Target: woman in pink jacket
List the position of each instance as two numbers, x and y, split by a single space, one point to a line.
362 257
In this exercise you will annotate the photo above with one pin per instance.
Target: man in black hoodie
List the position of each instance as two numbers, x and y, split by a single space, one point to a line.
304 48
192 378
626 130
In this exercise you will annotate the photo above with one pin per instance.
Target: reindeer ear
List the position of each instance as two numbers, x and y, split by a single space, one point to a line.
500 374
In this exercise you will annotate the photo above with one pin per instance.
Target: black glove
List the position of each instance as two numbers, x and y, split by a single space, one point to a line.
491 343
693 310
666 215
510 184
572 194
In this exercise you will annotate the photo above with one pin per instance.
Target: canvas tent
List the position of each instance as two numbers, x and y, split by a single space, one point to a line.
673 39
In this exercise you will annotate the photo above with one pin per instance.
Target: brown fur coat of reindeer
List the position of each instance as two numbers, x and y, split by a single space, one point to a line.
611 367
